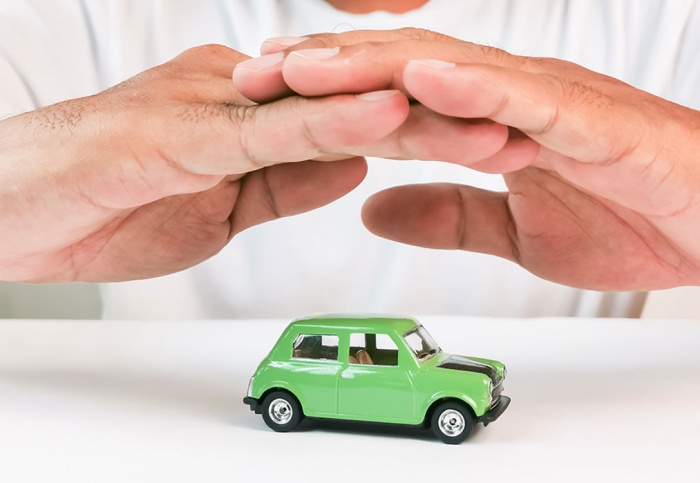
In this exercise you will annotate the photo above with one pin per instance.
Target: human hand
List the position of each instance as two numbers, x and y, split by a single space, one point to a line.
603 188
158 173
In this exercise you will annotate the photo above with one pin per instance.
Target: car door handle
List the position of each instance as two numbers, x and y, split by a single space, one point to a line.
346 375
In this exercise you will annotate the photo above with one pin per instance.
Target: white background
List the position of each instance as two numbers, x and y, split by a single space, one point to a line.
90 401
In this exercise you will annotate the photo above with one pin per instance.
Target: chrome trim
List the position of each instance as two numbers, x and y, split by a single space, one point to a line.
249 391
451 423
280 411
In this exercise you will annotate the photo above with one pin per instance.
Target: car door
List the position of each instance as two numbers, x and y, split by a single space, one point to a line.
313 371
373 385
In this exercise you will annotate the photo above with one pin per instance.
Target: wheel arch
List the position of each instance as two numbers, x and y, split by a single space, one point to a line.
437 402
287 390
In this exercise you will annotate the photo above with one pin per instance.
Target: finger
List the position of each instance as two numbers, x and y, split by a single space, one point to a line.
278 44
178 232
223 140
373 66
566 117
518 152
329 65
351 37
260 79
290 189
549 228
443 216
166 236
426 135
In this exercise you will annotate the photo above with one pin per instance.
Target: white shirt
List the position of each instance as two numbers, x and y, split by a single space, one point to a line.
325 260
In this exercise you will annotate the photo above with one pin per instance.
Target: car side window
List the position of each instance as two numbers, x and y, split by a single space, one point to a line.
315 346
373 349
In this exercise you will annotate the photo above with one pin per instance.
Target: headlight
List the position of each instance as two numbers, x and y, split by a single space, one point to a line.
248 393
490 395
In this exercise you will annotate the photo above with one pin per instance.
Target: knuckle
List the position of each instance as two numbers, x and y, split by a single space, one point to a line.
320 41
144 89
311 138
239 115
496 56
532 65
269 195
214 49
413 33
551 111
202 60
573 94
243 120
203 52
576 92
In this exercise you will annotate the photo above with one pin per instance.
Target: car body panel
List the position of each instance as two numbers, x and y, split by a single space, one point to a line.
399 388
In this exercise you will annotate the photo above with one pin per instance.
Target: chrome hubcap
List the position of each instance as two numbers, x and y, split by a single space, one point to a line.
280 411
451 422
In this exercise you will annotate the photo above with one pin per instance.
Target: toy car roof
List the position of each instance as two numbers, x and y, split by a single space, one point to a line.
369 323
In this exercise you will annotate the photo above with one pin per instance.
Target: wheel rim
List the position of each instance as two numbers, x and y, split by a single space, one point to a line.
280 411
451 423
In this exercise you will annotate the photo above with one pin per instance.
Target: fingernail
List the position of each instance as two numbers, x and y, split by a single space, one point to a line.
377 95
283 42
432 63
263 62
316 54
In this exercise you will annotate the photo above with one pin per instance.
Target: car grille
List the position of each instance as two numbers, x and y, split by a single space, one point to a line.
496 393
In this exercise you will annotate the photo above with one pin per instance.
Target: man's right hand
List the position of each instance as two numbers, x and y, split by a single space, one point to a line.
603 178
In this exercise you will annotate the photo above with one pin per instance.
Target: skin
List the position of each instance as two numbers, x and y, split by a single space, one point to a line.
367 6
159 173
602 181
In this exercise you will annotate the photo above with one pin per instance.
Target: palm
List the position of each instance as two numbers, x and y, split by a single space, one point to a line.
165 236
569 236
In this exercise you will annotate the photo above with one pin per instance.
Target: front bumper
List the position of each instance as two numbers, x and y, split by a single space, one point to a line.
254 404
494 413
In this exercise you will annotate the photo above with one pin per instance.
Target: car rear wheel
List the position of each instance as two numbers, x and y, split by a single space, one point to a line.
281 411
452 422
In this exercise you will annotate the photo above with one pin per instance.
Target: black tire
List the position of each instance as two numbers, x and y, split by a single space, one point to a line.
281 411
452 422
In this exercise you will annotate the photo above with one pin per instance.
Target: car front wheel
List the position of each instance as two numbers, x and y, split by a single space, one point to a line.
452 422
281 411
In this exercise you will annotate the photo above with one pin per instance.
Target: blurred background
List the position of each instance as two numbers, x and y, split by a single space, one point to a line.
82 301
51 301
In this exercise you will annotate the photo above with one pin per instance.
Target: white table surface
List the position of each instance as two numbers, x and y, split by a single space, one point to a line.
95 401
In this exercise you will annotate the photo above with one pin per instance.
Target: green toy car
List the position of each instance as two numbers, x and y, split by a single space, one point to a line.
374 369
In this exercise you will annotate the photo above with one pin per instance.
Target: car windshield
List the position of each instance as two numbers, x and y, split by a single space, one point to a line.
420 342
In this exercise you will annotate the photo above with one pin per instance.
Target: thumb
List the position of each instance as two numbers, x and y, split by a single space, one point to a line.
443 216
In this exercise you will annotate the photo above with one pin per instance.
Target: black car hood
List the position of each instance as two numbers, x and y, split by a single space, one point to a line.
460 363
